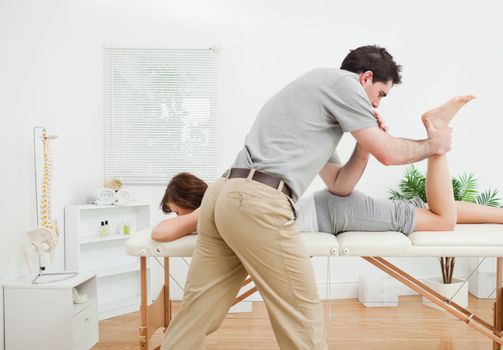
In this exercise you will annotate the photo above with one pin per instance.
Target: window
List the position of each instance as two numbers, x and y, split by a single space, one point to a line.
160 113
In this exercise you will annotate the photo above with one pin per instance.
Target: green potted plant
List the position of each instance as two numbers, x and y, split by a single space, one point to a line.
412 185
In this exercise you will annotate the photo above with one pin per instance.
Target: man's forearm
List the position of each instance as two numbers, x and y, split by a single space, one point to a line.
351 172
391 150
406 151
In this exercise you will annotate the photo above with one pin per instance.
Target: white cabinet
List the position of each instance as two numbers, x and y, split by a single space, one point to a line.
44 316
482 284
86 251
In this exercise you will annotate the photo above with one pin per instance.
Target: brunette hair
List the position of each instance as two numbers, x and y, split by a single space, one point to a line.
375 59
185 190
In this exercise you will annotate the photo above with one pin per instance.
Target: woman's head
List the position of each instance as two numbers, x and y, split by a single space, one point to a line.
183 194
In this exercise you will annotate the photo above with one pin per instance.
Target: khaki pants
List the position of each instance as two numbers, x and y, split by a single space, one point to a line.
246 227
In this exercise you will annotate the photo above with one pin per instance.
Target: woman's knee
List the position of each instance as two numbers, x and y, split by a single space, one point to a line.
447 222
429 221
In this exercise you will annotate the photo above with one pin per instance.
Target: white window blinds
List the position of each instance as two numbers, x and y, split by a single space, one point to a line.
160 113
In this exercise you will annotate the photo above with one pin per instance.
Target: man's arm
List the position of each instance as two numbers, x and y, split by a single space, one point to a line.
341 180
391 150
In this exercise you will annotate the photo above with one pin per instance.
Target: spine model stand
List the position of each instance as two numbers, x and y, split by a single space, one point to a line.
44 239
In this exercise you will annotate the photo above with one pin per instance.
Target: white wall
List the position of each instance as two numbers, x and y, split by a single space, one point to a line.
51 75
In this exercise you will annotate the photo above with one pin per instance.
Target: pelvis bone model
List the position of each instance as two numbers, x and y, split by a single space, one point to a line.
40 243
43 239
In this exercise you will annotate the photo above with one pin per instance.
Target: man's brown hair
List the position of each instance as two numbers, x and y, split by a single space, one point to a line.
375 59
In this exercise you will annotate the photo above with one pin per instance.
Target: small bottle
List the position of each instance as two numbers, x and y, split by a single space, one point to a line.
107 228
103 230
126 228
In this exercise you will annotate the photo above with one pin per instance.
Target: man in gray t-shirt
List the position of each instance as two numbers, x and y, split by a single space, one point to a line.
247 220
298 129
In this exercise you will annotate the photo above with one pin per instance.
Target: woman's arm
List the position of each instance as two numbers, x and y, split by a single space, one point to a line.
341 180
171 229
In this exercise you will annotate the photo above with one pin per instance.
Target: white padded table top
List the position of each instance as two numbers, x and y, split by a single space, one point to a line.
465 240
140 244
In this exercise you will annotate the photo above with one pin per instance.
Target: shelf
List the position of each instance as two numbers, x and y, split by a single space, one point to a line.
116 270
117 274
92 206
97 239
79 307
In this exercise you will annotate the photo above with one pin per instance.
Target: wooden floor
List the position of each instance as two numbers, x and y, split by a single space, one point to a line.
349 325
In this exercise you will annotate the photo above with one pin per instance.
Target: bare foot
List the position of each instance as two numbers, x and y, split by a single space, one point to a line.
442 115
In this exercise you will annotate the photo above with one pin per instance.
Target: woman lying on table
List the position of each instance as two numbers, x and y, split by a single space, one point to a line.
349 210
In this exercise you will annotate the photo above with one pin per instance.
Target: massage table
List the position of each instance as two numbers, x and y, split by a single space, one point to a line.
484 240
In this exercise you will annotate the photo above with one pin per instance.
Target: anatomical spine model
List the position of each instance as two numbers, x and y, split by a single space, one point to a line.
43 239
45 198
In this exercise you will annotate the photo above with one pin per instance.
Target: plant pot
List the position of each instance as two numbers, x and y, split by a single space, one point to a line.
447 290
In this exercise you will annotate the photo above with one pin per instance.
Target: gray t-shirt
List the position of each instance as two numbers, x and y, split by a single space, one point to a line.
308 218
298 129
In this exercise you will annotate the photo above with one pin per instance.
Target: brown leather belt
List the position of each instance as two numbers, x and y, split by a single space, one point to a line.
259 176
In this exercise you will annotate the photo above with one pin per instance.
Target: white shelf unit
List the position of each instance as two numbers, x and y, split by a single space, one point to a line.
85 251
43 316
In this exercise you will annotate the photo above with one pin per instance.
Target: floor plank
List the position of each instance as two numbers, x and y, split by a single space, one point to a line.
349 325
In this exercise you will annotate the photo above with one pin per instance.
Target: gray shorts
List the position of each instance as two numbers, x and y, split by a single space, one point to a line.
359 212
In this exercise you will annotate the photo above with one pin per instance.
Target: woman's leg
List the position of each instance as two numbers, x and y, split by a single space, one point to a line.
472 213
441 214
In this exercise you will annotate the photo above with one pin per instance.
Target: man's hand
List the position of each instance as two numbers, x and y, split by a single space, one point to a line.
441 138
380 122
